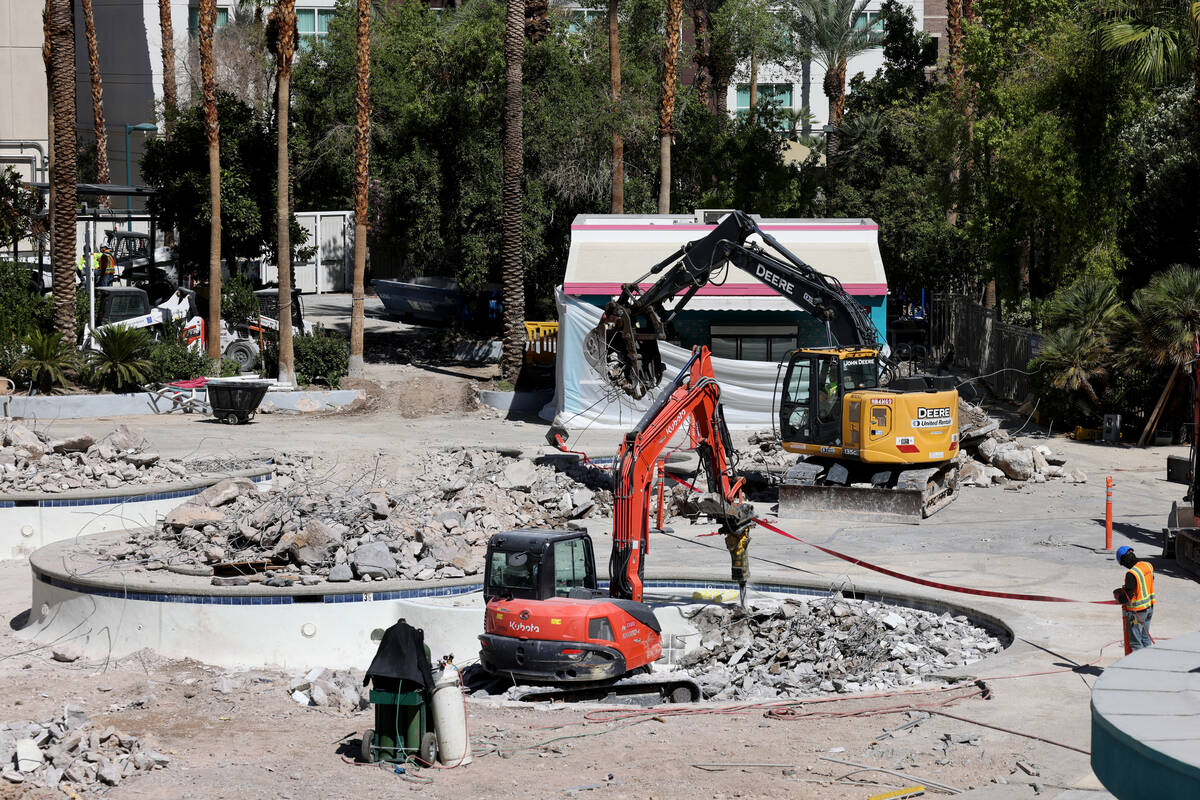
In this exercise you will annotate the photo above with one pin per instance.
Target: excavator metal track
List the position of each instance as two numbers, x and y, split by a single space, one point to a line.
822 486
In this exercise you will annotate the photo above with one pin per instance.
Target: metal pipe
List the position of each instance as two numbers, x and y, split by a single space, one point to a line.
21 144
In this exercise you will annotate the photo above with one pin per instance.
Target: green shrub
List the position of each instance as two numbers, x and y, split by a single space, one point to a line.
239 304
47 358
22 310
123 362
321 357
173 360
230 368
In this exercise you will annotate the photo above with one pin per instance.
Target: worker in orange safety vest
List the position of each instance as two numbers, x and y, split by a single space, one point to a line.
1136 597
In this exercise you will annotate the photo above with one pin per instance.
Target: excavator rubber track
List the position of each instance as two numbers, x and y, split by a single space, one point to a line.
823 486
671 688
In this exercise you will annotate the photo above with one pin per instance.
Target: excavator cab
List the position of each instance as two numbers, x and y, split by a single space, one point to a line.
538 565
815 386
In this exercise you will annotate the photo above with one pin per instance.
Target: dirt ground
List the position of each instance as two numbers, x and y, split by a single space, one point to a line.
257 743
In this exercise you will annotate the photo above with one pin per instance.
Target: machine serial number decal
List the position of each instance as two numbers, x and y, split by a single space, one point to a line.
881 401
905 440
937 455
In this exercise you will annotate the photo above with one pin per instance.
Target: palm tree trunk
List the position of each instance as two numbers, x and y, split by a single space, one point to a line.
1196 129
89 26
285 12
362 142
168 60
512 256
806 95
49 71
954 45
618 142
835 90
702 25
62 96
667 111
208 24
753 88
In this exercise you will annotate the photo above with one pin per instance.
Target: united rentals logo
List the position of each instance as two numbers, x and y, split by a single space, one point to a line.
932 418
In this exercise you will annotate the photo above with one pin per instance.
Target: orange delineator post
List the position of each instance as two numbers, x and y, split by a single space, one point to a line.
1108 487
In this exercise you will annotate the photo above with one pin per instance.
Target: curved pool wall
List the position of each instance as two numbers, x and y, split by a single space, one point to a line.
1146 722
33 520
330 625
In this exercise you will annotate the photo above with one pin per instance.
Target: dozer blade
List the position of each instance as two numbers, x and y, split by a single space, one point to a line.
918 493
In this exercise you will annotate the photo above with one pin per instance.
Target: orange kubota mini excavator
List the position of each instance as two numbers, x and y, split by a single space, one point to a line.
547 622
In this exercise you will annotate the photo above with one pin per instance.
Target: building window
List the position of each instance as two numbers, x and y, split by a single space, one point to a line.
581 18
872 20
194 19
312 24
775 95
757 343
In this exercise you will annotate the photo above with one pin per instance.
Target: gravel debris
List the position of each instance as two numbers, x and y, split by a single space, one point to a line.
804 646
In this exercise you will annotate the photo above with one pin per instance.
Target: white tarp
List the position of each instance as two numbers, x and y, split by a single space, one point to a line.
582 399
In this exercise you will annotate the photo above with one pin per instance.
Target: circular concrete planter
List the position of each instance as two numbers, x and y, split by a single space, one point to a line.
31 521
106 610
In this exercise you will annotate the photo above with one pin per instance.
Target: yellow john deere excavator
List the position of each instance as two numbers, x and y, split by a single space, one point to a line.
872 443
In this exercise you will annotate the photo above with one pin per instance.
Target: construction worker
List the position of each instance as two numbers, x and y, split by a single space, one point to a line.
106 266
1136 597
83 270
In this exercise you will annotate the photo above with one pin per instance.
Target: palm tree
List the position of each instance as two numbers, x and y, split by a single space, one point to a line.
618 143
208 24
833 37
1159 40
168 60
283 28
1083 322
1163 328
512 264
1072 360
362 141
61 27
829 29
89 26
666 112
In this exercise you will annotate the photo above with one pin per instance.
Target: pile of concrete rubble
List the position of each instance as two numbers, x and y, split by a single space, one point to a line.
70 752
340 690
805 646
32 461
306 529
990 457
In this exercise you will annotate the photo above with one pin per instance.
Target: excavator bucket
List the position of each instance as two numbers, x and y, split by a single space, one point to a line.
910 496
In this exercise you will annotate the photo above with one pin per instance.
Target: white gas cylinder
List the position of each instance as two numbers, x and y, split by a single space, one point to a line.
450 718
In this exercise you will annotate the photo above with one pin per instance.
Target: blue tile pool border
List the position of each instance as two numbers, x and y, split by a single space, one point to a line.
72 502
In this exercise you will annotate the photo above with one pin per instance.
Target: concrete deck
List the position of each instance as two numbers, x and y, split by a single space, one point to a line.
1146 722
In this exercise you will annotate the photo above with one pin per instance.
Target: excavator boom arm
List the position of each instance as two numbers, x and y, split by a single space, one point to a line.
624 347
694 395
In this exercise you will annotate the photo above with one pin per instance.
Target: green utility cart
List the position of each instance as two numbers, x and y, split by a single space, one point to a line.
403 726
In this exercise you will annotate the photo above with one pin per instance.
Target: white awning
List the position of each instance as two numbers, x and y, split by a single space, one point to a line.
609 250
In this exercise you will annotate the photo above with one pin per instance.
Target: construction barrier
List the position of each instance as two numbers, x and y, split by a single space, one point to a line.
541 342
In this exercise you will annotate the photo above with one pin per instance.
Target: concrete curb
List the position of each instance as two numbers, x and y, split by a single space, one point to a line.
83 406
520 402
